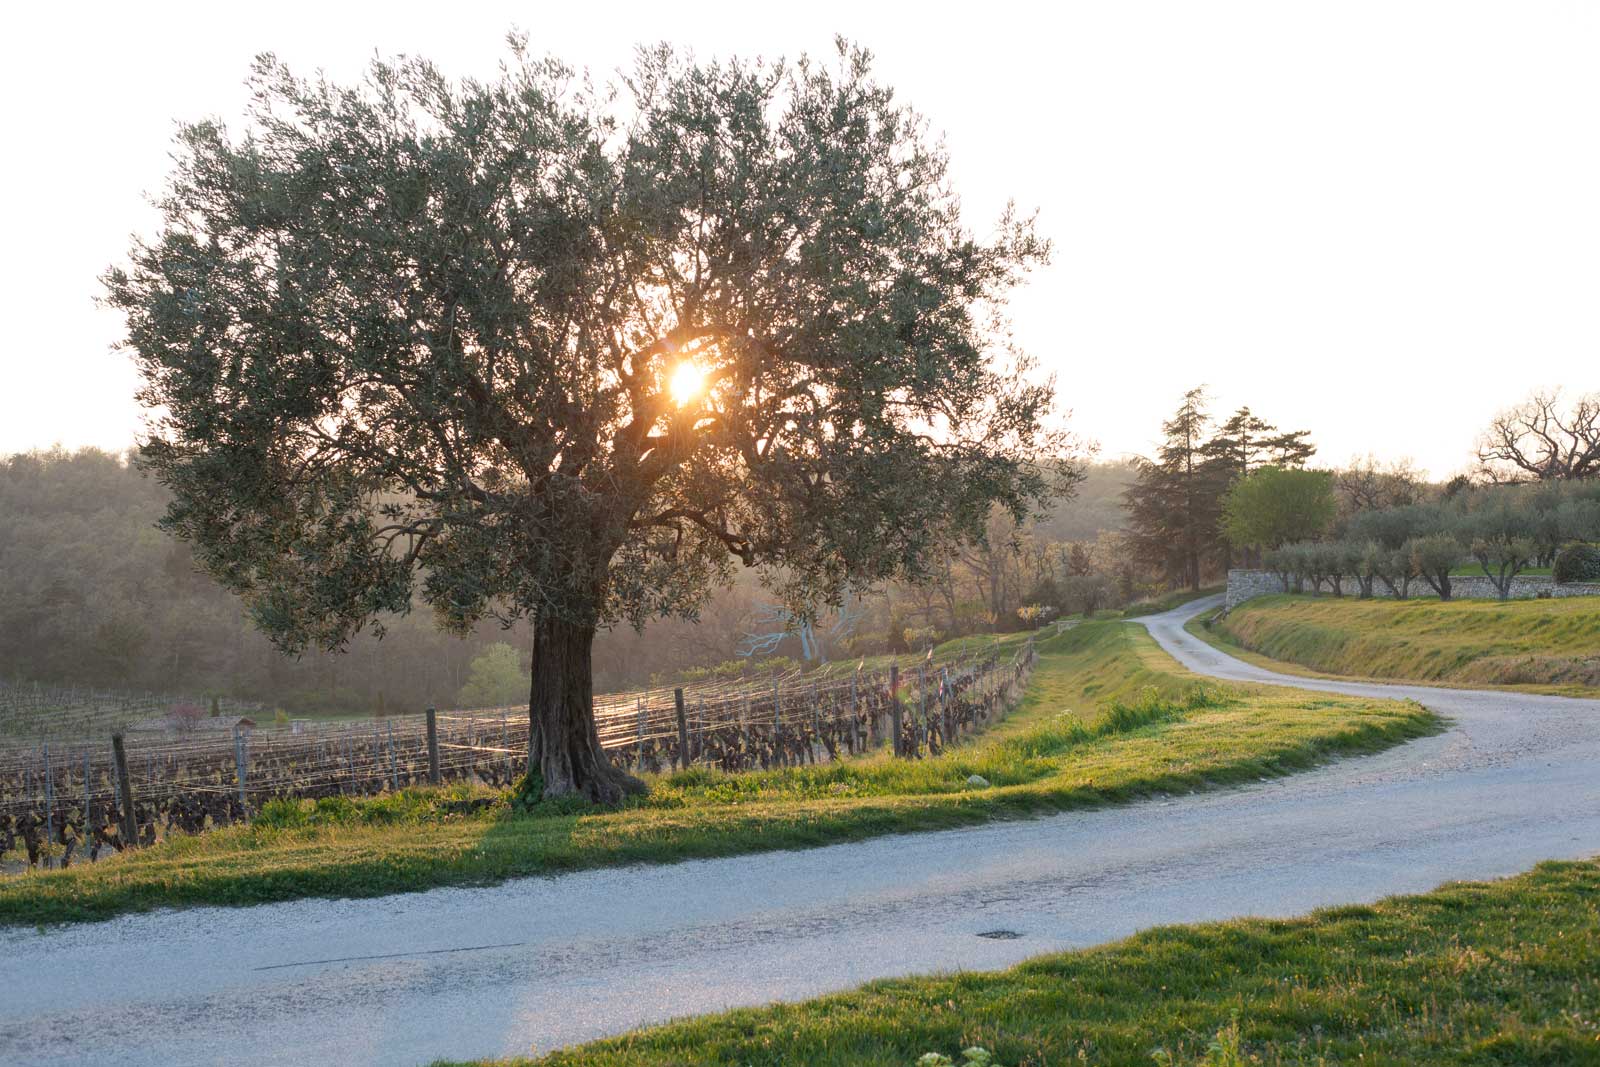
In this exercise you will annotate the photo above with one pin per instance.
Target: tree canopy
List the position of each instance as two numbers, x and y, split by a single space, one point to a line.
1537 440
1273 506
535 350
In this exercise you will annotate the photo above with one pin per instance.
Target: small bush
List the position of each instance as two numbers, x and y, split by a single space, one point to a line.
1577 563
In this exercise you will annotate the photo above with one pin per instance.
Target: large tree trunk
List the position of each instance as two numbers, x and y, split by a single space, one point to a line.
562 744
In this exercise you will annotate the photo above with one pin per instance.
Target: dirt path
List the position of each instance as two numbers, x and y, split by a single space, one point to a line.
549 961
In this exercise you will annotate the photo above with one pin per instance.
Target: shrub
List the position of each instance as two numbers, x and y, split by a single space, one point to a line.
1087 593
185 718
1034 616
1578 563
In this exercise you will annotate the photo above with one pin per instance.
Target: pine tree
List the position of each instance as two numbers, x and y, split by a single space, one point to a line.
1243 444
1174 504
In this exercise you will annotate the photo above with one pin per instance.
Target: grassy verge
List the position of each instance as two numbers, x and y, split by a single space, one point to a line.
1494 974
1548 646
1108 717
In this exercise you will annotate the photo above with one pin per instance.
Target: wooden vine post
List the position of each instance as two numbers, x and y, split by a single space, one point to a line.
683 730
894 705
433 746
119 756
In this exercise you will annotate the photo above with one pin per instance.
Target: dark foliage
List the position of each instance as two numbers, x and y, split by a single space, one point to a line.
1577 563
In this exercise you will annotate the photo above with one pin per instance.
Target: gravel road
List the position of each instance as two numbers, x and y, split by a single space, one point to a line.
544 962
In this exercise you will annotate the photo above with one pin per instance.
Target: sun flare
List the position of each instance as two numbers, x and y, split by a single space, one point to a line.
687 383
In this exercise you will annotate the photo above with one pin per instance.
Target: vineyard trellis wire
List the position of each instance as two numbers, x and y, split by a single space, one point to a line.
35 712
59 800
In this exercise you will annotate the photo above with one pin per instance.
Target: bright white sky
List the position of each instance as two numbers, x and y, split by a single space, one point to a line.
1379 221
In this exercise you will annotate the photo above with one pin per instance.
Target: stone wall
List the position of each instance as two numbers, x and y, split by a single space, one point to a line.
1246 584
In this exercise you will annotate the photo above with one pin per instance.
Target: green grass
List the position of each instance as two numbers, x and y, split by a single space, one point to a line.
1541 645
1473 569
1493 974
1108 717
946 652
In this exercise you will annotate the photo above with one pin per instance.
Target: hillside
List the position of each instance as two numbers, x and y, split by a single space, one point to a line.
1552 644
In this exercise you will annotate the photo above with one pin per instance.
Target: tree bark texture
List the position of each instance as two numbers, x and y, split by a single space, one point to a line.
563 745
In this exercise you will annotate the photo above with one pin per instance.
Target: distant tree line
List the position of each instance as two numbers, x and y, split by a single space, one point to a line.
1215 495
93 594
1500 531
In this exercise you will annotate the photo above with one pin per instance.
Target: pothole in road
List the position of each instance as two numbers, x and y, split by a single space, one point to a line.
999 935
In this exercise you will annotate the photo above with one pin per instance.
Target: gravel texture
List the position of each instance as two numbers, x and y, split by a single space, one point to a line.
543 962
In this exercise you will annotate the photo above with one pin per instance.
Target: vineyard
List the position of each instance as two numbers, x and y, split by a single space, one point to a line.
60 799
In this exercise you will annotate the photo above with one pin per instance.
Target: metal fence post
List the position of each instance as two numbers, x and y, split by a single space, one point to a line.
816 723
778 754
944 706
683 730
638 759
119 758
871 737
433 746
922 707
505 743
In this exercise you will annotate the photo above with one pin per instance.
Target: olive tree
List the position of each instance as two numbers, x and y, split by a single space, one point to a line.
1433 557
1332 561
1393 527
1369 560
1500 537
520 349
1287 562
1395 569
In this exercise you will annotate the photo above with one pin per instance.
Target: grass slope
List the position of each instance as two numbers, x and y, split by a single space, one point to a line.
1500 973
1108 717
1551 645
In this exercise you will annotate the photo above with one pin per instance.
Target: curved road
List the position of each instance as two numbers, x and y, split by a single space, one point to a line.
543 962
